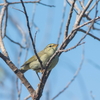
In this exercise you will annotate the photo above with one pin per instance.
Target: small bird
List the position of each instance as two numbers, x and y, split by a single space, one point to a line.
44 56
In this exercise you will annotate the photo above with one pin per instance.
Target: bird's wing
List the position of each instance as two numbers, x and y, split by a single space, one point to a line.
33 58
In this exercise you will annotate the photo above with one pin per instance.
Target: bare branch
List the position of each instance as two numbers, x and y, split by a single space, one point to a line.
92 96
62 21
80 40
35 37
19 74
73 33
2 47
78 44
15 42
10 3
75 75
32 23
82 13
29 30
86 23
42 84
3 4
69 18
17 9
92 7
80 64
25 2
82 4
19 87
5 23
90 34
46 4
76 9
36 94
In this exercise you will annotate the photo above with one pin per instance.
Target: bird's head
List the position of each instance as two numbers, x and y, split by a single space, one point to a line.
51 48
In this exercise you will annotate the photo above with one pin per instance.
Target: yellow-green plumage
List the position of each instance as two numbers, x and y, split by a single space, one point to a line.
44 56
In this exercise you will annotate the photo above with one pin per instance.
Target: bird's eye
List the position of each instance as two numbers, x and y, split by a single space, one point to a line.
50 46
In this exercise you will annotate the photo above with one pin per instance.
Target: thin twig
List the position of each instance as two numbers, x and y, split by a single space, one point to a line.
35 37
32 23
24 2
86 23
92 7
92 96
82 4
80 40
19 87
46 4
73 32
82 13
15 42
74 77
17 9
42 84
62 22
78 44
76 9
69 19
90 34
29 30
10 3
18 26
87 31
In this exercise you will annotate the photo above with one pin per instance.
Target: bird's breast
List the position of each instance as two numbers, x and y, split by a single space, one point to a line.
44 58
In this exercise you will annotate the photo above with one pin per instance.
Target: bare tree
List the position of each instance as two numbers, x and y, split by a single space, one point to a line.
80 9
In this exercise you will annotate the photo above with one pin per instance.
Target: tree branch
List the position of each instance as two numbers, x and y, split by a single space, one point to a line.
90 34
29 30
2 47
19 74
74 77
69 19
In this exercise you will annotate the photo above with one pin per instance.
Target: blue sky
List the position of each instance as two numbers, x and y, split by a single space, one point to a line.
48 20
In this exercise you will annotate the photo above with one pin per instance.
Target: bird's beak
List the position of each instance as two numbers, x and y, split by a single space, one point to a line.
56 45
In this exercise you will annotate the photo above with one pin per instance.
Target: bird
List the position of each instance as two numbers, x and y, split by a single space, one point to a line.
44 56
